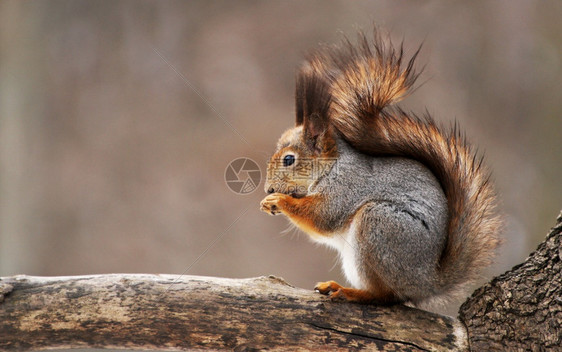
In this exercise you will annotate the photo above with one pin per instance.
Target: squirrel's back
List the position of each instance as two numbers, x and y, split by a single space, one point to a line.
366 81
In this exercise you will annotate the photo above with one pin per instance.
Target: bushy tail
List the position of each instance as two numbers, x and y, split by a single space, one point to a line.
366 80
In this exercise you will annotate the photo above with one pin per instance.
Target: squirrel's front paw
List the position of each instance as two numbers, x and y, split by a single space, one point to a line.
272 203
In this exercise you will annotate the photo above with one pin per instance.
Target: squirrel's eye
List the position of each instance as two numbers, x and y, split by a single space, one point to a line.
288 160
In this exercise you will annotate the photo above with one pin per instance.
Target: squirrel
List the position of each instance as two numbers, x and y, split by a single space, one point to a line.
408 204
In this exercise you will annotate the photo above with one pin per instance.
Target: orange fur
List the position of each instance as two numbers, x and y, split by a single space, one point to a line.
301 212
379 295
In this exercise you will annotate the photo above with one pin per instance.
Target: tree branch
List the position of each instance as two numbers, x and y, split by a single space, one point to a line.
203 313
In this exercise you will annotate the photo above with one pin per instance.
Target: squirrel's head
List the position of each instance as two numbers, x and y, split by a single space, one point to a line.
299 161
306 152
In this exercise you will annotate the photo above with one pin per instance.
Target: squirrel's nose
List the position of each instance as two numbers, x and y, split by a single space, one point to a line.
270 190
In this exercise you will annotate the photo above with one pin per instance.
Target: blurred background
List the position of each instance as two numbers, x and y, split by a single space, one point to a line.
119 118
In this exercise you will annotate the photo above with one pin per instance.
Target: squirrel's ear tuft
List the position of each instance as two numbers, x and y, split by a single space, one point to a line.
313 100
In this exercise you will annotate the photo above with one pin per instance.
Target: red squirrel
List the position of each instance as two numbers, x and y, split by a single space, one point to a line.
407 204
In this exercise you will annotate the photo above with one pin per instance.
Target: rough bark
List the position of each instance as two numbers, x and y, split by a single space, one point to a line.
520 310
202 313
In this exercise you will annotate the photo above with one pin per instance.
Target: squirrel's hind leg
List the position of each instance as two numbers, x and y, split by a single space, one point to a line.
339 293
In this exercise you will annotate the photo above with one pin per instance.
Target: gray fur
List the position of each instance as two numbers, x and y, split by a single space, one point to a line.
402 231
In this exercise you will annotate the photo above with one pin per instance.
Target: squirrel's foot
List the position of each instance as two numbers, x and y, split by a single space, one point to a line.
327 287
331 289
345 294
272 203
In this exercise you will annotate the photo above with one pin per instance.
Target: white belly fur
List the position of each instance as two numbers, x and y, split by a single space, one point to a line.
344 243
